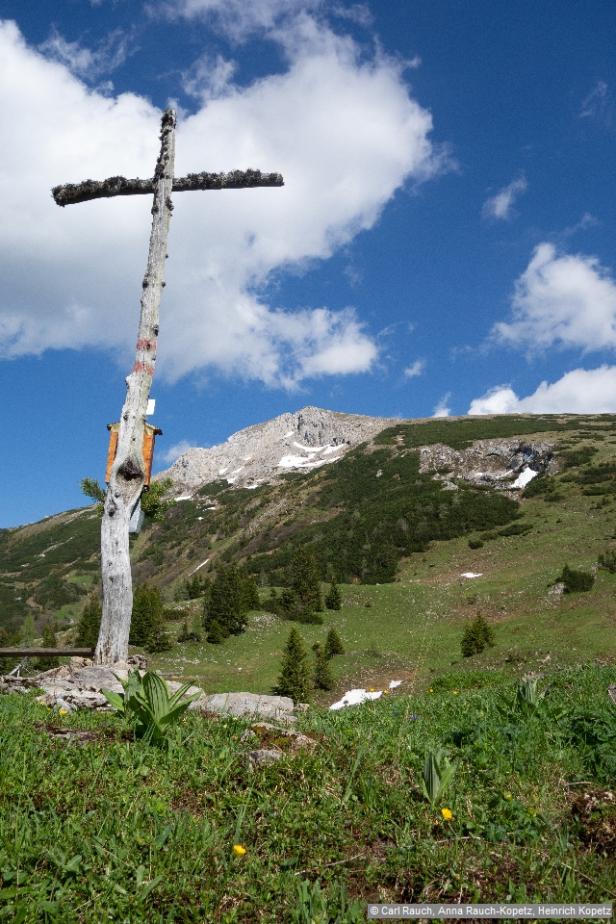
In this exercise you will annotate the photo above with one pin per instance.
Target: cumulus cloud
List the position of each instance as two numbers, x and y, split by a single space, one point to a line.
208 76
442 409
564 300
581 391
174 452
237 19
500 206
359 13
71 277
416 369
90 63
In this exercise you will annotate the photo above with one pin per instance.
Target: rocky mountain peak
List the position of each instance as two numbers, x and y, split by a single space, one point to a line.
299 441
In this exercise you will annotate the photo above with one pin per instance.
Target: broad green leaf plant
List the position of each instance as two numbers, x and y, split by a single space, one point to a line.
437 775
147 700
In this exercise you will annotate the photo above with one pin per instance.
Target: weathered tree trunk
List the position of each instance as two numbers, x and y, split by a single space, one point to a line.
128 470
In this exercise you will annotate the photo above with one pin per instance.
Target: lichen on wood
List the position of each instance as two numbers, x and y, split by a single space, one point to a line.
72 193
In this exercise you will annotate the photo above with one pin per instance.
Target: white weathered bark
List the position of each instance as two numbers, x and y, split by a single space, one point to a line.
127 473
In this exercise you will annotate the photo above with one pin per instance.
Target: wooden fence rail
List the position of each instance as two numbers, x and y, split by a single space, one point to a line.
45 652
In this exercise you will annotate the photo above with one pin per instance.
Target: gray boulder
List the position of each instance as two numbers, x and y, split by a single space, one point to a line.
246 705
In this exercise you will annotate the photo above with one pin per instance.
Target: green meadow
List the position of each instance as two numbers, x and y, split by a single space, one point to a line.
107 828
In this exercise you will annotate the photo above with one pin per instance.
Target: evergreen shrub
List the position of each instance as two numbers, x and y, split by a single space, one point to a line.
477 635
576 581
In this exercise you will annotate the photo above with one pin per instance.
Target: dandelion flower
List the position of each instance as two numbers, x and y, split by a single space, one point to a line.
63 711
447 814
238 850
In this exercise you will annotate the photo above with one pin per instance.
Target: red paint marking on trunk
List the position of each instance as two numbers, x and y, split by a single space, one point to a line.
148 368
145 344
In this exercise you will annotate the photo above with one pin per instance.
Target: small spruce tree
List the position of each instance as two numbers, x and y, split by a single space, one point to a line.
323 679
195 628
333 644
576 581
477 635
223 613
304 581
249 592
333 600
216 633
49 641
28 631
147 626
184 634
89 623
295 680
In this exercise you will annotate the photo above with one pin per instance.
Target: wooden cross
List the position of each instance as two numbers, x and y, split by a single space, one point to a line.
128 471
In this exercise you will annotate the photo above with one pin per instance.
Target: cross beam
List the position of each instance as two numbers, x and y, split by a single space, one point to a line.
71 193
127 476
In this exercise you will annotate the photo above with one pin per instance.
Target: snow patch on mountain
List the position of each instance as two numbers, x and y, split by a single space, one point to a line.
300 441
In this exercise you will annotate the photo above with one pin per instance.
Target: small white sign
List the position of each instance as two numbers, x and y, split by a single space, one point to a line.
150 407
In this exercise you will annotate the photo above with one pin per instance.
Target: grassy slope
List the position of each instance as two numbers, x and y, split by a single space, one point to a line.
411 629
111 829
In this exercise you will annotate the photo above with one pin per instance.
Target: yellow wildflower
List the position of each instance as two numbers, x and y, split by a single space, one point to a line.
430 690
507 796
455 692
447 814
238 850
63 711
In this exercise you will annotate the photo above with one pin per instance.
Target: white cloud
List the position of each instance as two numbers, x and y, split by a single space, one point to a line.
71 277
236 18
416 369
442 409
500 205
208 77
563 300
599 105
581 391
359 13
174 452
89 63
588 220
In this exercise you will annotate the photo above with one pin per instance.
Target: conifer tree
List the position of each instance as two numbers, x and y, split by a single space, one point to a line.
28 631
305 580
141 620
333 600
148 625
49 641
295 680
224 614
333 644
184 634
195 628
89 623
323 679
249 592
477 635
216 632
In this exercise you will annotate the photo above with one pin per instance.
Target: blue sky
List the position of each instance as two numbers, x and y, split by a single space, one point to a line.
444 242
